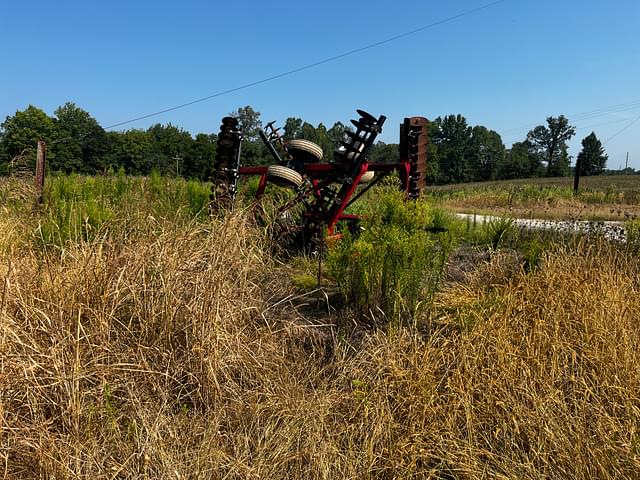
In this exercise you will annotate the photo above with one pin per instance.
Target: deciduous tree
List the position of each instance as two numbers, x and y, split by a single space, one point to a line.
199 161
83 142
130 149
249 121
550 142
520 161
292 128
452 137
169 147
486 151
20 133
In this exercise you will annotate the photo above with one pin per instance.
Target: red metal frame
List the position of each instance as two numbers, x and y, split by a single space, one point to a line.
312 170
330 188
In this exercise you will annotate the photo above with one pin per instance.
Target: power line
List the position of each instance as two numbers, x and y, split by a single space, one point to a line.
621 107
295 70
621 130
620 120
578 127
311 65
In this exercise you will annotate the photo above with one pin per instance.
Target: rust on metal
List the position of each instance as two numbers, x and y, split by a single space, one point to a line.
274 137
323 191
226 165
414 138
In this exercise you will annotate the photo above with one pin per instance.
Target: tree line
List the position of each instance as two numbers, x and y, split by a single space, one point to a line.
458 152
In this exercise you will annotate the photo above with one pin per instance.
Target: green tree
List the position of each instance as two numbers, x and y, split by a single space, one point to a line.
20 133
327 139
83 142
253 152
337 134
384 153
550 142
249 121
521 161
292 128
433 174
131 150
169 148
324 140
318 135
308 132
199 161
592 159
452 136
486 152
4 158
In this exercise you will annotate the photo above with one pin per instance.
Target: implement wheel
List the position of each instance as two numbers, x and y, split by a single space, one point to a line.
367 177
284 176
304 150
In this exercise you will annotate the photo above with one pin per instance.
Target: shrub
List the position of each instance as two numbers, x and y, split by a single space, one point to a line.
533 253
394 266
499 230
72 221
77 207
632 229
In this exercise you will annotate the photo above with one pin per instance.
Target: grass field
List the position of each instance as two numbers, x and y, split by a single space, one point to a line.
599 198
142 338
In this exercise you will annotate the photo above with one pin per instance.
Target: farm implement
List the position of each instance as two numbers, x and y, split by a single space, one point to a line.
323 190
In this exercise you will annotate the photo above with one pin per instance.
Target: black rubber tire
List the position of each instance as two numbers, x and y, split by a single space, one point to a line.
310 151
284 176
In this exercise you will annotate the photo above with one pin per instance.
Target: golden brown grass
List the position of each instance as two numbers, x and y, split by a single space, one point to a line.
172 355
600 198
620 183
557 209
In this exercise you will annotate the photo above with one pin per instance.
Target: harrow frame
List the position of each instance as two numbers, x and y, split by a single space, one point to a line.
325 204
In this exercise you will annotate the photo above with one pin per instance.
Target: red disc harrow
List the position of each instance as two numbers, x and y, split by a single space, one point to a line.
327 189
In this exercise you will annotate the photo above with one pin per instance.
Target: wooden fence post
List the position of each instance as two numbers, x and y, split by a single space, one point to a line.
41 159
576 178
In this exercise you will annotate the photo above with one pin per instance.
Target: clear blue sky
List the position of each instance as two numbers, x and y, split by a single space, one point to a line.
507 67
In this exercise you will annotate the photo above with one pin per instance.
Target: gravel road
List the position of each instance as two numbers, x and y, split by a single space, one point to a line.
611 230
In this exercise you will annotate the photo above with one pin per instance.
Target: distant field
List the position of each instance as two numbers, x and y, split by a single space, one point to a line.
599 198
601 182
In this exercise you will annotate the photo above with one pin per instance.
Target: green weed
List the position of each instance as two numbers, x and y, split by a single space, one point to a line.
77 207
533 252
395 265
499 230
632 229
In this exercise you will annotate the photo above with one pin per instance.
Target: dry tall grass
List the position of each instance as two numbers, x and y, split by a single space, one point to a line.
170 356
600 198
562 209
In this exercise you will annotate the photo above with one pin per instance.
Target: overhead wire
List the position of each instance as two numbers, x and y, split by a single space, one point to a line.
626 127
611 122
578 127
312 65
616 108
576 117
303 67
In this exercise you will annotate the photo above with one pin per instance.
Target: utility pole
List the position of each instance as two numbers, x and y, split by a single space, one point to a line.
177 158
626 164
576 178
